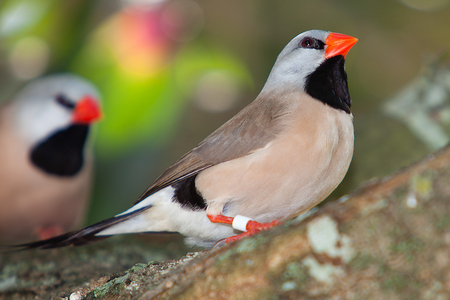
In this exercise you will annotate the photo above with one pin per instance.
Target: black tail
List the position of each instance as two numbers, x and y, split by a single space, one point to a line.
75 238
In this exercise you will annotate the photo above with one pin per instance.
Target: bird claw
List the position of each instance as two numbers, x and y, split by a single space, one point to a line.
256 226
253 228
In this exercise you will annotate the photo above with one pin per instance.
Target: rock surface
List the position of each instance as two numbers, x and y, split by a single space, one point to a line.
387 240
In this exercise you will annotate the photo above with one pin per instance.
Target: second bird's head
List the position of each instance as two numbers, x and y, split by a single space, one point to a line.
53 115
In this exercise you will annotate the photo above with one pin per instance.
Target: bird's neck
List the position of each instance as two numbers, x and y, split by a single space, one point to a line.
328 83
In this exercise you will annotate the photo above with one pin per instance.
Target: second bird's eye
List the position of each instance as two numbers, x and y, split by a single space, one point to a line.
64 101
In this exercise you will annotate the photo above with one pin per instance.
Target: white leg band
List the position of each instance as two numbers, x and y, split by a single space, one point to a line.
240 223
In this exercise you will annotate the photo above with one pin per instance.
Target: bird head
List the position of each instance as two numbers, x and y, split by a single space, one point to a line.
313 62
53 103
52 116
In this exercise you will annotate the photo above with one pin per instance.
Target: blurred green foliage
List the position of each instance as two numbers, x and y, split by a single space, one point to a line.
148 63
144 66
142 108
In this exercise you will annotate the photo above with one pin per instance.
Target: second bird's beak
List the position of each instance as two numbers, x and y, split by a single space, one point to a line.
86 111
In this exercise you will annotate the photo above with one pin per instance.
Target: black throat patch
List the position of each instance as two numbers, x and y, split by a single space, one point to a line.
329 84
187 195
62 153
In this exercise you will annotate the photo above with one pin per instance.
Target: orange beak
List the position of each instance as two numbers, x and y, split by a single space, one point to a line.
86 111
338 44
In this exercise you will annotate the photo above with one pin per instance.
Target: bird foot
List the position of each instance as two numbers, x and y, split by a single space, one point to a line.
251 227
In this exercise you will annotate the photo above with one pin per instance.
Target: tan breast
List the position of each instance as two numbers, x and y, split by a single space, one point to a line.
30 198
292 173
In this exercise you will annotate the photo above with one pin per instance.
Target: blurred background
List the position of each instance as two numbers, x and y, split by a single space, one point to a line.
171 72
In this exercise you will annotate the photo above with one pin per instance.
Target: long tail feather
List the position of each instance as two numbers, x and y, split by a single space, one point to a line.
76 238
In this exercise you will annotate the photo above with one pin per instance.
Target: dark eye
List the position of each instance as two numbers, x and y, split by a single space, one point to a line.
307 43
64 101
312 43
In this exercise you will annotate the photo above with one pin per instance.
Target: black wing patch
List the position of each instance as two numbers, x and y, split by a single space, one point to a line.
187 194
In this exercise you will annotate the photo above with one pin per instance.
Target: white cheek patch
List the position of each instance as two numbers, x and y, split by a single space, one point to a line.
40 120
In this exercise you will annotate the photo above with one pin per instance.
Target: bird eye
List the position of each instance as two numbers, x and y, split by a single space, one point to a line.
64 101
312 43
307 43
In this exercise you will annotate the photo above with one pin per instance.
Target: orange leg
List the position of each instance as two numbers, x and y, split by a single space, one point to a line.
220 219
252 227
